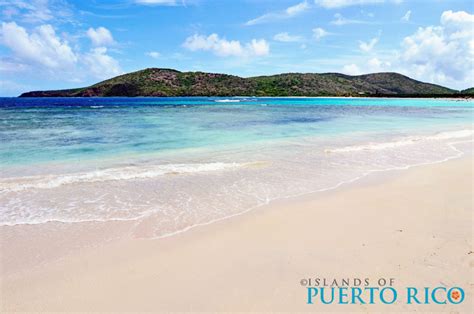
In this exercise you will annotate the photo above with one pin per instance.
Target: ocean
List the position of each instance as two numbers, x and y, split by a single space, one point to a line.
181 162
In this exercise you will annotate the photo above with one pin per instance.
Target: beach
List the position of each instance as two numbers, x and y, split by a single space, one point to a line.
413 225
193 156
235 204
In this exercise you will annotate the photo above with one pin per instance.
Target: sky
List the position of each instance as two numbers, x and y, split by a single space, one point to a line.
55 44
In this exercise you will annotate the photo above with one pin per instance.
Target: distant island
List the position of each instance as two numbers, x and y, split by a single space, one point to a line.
169 83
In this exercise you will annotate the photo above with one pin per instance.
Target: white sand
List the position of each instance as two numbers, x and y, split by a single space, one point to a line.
414 226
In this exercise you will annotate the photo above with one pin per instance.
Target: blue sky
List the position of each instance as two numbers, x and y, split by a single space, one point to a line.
51 44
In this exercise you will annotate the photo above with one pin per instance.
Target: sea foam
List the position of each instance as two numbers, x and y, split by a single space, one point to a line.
403 142
111 174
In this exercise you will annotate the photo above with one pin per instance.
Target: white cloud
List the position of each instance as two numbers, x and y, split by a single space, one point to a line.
460 18
351 69
41 47
372 65
406 17
368 46
332 4
42 51
376 65
153 54
319 33
285 14
341 20
259 47
225 48
100 64
285 37
220 47
441 54
157 2
100 36
458 24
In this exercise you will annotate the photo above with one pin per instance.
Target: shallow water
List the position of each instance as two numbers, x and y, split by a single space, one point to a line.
180 162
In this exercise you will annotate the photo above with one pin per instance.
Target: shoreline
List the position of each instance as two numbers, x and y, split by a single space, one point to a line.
459 155
452 145
48 271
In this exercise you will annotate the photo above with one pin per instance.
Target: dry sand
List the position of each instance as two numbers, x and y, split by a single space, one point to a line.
414 226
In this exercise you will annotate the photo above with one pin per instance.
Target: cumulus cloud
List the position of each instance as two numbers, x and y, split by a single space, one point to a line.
225 48
376 65
100 36
100 64
285 14
441 54
460 17
319 33
445 52
285 37
368 46
351 69
41 47
406 17
153 54
372 65
458 24
258 47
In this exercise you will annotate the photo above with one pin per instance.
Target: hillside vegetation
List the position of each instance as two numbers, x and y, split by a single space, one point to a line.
168 82
469 91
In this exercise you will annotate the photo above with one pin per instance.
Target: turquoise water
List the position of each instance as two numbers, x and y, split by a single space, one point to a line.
181 162
45 130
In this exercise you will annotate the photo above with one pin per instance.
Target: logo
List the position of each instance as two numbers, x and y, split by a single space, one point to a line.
381 291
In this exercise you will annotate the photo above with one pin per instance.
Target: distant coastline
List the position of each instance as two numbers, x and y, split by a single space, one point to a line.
156 82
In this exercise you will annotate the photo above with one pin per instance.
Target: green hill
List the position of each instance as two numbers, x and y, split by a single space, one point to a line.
168 82
468 91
